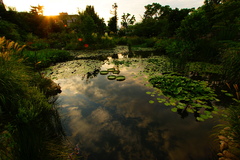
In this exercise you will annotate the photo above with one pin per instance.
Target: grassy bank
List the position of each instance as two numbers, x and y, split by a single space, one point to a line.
30 126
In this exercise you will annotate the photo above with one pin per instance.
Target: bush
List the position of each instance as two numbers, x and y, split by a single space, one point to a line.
9 30
44 58
38 44
30 125
162 44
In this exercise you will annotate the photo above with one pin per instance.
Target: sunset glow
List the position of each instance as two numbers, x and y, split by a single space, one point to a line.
103 8
51 10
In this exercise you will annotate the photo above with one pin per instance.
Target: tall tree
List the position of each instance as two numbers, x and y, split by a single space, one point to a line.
127 20
100 26
112 23
112 26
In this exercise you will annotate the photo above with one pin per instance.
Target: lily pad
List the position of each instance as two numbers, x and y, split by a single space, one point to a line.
111 77
116 72
120 78
103 72
111 69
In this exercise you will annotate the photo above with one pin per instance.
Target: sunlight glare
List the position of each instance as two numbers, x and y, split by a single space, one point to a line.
52 9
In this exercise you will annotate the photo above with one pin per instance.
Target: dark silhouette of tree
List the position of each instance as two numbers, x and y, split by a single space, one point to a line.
160 21
37 10
112 26
99 25
112 23
127 20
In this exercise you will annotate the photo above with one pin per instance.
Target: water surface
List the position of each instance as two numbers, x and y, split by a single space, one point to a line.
113 120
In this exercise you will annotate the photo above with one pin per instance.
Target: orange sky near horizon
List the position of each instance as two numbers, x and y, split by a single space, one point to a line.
102 8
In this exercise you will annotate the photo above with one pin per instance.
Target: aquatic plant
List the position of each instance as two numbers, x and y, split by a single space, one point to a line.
104 72
185 95
111 69
111 77
123 62
120 78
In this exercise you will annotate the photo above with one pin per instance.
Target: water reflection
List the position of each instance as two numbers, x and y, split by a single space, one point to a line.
113 119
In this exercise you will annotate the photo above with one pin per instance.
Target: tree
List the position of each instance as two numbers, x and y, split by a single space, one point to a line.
155 11
194 26
112 23
127 20
99 22
112 26
161 21
99 25
37 10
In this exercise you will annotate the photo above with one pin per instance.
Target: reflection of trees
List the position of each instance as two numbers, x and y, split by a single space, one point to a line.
92 74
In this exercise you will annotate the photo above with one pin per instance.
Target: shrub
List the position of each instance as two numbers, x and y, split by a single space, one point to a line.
162 44
9 30
30 125
44 58
38 44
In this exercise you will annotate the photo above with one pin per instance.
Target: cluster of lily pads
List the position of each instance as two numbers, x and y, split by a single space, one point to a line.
112 76
186 95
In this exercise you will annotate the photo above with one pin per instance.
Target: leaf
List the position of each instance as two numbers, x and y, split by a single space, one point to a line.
148 92
223 91
200 119
229 94
174 109
167 104
190 110
151 101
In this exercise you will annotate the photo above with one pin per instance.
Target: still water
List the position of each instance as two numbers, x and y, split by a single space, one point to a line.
113 120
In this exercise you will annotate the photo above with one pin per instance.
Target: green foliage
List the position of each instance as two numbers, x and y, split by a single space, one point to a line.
160 21
185 94
194 26
9 30
127 20
233 113
44 58
112 24
38 44
161 45
230 60
29 122
123 62
157 65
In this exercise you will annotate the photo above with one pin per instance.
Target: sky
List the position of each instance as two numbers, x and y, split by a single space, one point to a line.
102 7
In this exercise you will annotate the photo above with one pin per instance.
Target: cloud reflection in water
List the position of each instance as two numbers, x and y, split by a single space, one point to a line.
113 120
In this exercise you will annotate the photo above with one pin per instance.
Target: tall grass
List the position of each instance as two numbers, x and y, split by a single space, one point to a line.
230 59
30 124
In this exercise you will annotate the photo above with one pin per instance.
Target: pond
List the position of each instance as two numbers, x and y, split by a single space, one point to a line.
113 120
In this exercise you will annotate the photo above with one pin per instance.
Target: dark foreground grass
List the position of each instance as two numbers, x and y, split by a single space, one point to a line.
30 126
